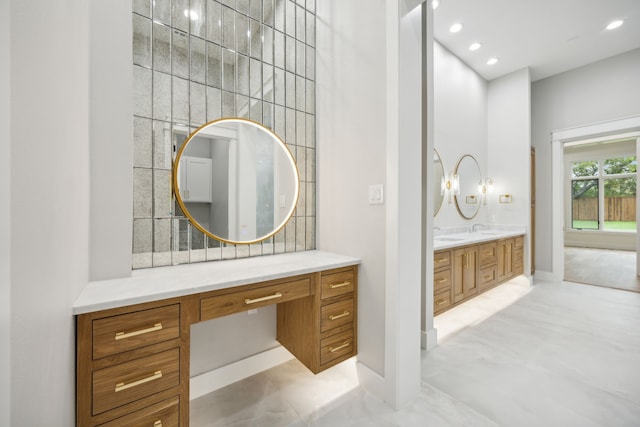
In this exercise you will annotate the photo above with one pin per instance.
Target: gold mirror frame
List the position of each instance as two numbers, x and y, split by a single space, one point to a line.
468 186
283 150
438 176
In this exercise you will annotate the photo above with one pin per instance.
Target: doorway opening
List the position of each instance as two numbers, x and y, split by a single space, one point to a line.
600 211
569 226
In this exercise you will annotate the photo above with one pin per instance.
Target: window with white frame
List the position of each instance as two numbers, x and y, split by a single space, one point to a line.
603 193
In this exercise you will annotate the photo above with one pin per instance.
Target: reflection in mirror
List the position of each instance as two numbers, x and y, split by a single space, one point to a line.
468 201
236 181
438 176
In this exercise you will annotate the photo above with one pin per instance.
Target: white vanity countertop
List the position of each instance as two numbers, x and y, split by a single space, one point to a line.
154 284
448 241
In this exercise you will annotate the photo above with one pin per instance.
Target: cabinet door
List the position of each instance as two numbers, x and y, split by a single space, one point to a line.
470 284
465 276
505 264
195 179
459 263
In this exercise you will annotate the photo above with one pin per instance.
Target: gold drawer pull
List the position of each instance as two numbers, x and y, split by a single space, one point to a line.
490 253
488 277
122 335
340 285
267 298
441 281
440 301
157 423
441 260
122 386
338 316
333 350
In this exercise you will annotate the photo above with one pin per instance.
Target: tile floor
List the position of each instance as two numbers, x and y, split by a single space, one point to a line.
601 267
555 354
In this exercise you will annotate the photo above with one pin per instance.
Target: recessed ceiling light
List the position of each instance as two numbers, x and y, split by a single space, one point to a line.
455 27
492 61
475 46
615 24
435 4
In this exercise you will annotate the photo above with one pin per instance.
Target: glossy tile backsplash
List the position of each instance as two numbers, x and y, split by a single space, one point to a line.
200 60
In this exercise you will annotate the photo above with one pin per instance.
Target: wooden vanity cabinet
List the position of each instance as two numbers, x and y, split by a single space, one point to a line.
487 274
465 273
505 259
133 362
132 366
461 273
518 256
321 330
441 281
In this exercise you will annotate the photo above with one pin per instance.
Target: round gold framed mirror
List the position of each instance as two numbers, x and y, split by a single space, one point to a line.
468 201
438 175
236 181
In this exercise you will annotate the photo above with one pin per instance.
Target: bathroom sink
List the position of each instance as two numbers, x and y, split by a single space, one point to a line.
490 233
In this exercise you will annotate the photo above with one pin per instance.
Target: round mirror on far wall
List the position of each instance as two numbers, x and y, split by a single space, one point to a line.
469 175
236 181
438 175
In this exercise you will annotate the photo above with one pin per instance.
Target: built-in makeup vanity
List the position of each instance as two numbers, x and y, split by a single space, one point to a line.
133 334
467 264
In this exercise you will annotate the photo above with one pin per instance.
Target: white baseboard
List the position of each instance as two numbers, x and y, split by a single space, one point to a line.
371 381
429 339
213 380
546 276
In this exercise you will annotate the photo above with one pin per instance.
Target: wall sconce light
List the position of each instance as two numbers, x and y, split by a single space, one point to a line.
450 186
485 187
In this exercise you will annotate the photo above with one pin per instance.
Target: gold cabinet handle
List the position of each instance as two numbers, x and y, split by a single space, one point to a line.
338 316
122 386
157 423
122 335
340 285
441 281
488 277
441 260
489 253
333 350
268 297
440 302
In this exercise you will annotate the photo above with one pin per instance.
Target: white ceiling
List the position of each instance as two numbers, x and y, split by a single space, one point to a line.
548 36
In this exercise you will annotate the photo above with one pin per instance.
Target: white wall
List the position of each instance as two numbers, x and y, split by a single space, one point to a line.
363 138
49 203
111 133
460 123
351 128
5 219
594 93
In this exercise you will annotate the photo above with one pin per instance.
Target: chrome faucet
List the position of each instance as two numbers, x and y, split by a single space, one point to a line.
475 227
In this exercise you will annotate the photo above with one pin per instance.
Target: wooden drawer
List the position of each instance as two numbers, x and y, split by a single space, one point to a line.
336 284
336 314
518 242
163 414
223 305
441 259
337 346
441 301
487 277
127 382
116 334
487 254
441 280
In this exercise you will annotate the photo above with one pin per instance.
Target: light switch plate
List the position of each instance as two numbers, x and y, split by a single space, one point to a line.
376 194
